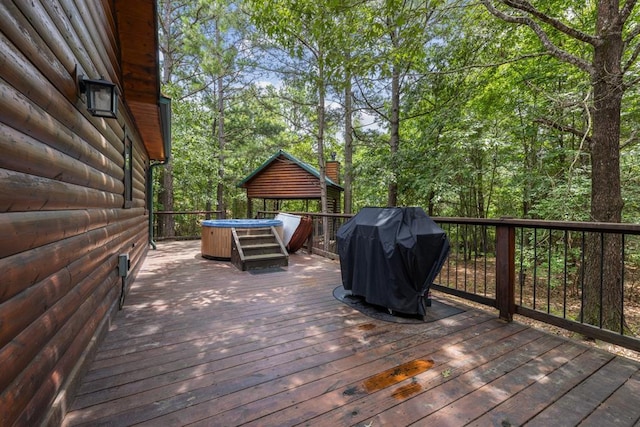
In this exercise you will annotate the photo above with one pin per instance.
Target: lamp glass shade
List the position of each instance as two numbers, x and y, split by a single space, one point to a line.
102 98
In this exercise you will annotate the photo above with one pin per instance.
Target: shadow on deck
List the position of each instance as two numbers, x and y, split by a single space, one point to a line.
199 341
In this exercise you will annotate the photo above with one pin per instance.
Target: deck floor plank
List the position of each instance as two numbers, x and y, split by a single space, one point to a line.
440 386
478 401
578 403
213 340
350 392
618 409
242 343
523 406
202 343
313 385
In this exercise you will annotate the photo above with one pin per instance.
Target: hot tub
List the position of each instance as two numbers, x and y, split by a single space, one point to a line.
216 234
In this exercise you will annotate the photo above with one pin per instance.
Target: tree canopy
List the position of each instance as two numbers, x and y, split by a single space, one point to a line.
481 109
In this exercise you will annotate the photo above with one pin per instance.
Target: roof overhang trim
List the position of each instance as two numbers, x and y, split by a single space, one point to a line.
138 38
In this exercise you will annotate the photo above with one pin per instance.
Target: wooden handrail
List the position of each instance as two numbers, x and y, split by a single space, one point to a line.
504 237
186 212
283 249
236 240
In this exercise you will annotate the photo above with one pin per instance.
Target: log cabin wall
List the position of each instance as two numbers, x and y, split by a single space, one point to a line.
62 216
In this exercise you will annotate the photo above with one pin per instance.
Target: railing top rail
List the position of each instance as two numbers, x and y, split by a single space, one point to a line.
329 215
186 212
598 227
500 256
607 227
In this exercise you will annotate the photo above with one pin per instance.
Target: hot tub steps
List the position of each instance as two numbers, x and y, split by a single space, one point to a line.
257 248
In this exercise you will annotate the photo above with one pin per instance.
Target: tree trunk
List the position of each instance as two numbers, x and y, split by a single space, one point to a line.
394 138
430 202
603 300
207 207
478 160
167 223
221 136
603 255
348 145
528 164
321 161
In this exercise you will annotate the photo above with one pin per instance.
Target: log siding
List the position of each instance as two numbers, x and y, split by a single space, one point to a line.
283 177
62 217
284 180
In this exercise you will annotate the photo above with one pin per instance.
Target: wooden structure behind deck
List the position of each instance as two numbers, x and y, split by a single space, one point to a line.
284 177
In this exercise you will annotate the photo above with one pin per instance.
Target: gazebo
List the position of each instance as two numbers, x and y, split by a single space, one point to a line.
284 177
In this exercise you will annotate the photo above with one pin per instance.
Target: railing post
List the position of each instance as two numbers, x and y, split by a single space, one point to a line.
505 270
310 239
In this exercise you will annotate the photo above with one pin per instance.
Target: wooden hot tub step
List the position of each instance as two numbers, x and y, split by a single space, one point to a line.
256 239
262 248
253 262
258 248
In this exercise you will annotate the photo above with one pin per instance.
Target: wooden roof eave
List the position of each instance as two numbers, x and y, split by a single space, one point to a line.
138 39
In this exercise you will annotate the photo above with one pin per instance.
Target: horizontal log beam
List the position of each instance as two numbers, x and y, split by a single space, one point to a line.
77 29
26 307
18 29
66 366
22 349
35 352
102 19
25 269
21 75
26 385
22 192
17 110
21 153
21 231
81 349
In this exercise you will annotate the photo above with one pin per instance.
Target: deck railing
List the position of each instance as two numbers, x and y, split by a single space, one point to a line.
316 241
180 225
539 269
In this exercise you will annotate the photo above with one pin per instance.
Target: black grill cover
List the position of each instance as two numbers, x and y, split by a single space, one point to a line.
391 256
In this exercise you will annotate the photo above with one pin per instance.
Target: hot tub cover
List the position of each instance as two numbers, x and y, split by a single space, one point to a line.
390 256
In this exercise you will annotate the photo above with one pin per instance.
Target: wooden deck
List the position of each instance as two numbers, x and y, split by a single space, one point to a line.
200 342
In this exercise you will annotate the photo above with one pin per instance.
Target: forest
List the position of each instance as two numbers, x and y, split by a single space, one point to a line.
485 109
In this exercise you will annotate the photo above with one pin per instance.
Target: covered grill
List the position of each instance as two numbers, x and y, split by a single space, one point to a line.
390 257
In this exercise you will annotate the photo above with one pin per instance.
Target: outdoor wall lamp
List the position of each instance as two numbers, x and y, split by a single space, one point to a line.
102 96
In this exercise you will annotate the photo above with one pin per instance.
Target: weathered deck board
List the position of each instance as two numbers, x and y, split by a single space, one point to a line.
202 343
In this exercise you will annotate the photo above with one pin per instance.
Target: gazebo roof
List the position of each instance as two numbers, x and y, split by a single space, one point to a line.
308 168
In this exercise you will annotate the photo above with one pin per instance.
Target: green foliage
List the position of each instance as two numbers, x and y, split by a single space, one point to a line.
485 116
